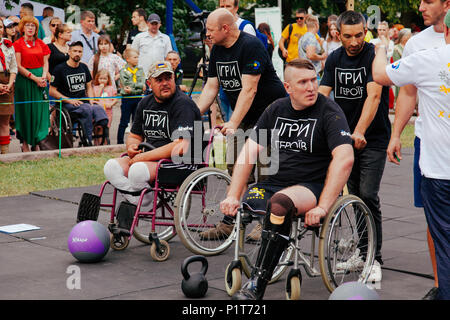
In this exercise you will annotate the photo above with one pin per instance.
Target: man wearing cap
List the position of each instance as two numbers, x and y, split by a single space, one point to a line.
429 71
164 119
152 45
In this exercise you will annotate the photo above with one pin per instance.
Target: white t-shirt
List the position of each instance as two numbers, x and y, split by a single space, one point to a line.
390 50
151 49
427 39
429 72
248 27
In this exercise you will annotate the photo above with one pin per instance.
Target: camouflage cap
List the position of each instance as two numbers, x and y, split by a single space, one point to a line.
158 68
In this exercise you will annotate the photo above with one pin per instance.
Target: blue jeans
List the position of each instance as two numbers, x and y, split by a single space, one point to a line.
87 114
128 110
436 203
225 105
364 182
417 174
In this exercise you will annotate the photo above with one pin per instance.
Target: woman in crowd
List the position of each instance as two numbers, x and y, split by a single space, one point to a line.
59 48
54 23
333 41
32 117
265 29
10 30
8 72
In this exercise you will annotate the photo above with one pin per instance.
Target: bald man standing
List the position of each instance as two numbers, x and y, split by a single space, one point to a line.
241 65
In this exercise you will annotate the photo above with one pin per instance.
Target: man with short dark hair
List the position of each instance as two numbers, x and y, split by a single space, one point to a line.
152 45
86 35
348 72
311 173
139 20
47 15
71 81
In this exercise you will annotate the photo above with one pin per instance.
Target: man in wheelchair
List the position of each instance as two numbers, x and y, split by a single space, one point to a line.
160 118
72 81
310 139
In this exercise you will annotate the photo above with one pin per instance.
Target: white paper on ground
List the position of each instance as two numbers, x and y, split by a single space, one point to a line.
15 228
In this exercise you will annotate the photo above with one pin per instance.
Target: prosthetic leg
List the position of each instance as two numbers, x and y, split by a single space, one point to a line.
274 240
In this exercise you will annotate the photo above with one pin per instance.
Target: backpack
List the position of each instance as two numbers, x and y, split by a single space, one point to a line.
286 43
259 35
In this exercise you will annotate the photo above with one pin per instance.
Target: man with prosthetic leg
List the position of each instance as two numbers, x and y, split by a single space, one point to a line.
311 143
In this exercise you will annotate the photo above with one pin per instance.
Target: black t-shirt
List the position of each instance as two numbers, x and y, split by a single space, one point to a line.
133 33
71 82
162 123
56 58
303 139
348 77
246 56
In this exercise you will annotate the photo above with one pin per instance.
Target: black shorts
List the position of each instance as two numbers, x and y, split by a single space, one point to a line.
174 174
257 195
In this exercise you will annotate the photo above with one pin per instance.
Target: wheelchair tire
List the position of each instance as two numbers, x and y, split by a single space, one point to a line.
119 242
348 221
66 122
161 255
233 280
197 210
293 288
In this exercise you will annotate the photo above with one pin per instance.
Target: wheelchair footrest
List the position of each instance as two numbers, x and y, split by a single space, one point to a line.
116 231
125 215
89 207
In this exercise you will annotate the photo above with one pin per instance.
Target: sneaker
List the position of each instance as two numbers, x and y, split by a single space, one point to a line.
375 273
432 294
219 232
255 234
354 263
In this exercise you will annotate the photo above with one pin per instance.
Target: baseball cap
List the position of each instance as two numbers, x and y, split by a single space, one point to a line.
158 68
7 23
153 18
447 19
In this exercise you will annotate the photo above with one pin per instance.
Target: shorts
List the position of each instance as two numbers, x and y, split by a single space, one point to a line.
256 197
174 174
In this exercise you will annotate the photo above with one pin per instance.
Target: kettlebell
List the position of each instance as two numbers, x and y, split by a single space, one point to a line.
195 285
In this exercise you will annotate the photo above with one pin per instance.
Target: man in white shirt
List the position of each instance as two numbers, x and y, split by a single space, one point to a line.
233 7
433 13
429 71
86 35
383 31
152 45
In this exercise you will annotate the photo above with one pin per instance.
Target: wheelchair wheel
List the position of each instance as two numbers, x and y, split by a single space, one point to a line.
293 285
249 251
119 242
66 122
162 254
233 280
197 210
144 224
347 243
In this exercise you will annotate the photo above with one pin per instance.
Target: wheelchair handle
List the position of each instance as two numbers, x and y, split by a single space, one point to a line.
145 146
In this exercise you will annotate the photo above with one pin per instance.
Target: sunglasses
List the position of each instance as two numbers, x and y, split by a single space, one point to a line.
300 18
54 24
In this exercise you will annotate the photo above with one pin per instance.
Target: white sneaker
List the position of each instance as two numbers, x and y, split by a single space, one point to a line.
375 273
354 263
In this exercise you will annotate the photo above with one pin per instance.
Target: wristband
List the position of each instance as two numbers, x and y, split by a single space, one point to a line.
29 75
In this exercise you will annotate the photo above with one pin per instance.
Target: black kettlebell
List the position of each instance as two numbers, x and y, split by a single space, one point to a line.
195 285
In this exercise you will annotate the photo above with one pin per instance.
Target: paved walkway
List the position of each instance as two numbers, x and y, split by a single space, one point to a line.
37 264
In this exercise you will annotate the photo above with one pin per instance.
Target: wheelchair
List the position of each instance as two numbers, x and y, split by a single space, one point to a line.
184 203
70 123
346 233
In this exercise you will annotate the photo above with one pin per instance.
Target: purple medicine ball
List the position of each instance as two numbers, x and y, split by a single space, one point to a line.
88 241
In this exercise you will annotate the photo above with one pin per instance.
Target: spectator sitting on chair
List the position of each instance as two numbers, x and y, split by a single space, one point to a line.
163 119
72 81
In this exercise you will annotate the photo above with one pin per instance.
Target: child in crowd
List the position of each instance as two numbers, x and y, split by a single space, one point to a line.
104 59
132 83
174 58
103 87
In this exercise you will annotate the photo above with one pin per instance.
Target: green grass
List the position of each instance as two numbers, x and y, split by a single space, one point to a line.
23 177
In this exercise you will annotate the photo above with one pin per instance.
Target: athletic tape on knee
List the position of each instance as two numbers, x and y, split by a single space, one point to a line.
114 173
